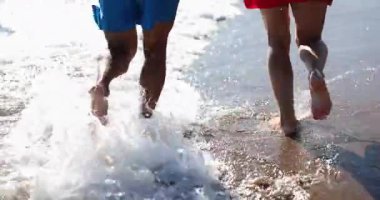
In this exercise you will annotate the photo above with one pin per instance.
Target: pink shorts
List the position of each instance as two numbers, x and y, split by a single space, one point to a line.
261 4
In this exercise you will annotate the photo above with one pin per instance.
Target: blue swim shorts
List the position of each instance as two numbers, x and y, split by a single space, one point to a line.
123 15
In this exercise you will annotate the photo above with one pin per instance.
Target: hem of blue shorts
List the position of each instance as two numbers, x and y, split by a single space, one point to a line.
148 28
117 30
128 28
145 28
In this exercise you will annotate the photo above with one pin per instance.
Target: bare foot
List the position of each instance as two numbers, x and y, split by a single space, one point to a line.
320 98
99 103
288 127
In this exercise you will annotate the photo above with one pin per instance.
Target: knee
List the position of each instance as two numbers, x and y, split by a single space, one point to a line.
155 62
156 53
121 51
121 55
279 43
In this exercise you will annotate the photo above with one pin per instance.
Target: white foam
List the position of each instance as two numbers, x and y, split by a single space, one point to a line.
63 152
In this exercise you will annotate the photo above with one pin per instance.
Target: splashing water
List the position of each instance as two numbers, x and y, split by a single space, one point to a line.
64 153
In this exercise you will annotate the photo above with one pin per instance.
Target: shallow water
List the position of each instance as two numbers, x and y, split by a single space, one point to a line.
333 159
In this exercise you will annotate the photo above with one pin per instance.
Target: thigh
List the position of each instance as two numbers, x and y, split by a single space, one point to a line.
309 18
276 21
156 38
122 44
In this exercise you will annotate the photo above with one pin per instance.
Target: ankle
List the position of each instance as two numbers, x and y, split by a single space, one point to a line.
105 87
288 118
316 73
146 111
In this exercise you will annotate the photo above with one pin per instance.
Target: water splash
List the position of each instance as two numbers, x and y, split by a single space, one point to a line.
59 151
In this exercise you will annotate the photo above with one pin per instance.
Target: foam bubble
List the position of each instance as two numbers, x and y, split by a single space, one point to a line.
63 152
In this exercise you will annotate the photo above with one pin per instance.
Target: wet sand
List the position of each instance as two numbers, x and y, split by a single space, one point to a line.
334 159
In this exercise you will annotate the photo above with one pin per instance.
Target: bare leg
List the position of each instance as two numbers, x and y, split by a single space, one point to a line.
310 17
153 74
122 48
277 25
